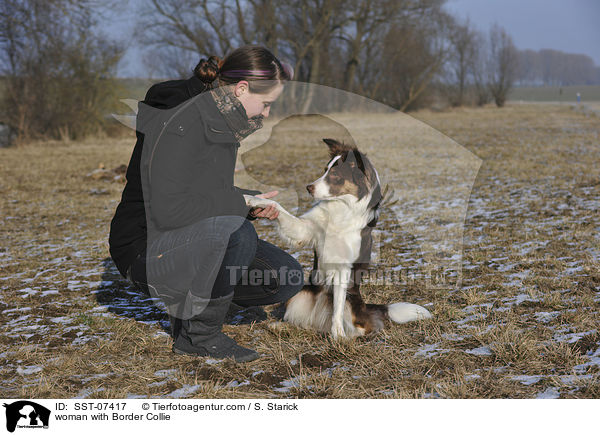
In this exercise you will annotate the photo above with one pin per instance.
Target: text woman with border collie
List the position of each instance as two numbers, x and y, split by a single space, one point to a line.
181 231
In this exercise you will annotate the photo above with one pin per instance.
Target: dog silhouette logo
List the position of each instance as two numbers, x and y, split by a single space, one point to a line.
26 414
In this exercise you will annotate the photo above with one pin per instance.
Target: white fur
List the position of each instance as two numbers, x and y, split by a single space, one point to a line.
321 186
314 312
402 312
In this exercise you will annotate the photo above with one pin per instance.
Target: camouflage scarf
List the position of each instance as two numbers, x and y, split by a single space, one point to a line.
234 113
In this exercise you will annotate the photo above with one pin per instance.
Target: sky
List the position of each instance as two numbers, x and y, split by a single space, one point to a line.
572 26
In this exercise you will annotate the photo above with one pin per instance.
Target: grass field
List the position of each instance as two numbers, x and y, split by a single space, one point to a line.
522 323
561 94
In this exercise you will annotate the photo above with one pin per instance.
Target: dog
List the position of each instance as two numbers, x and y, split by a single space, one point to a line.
339 228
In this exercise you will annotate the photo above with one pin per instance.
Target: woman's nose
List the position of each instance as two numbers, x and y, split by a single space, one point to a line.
265 112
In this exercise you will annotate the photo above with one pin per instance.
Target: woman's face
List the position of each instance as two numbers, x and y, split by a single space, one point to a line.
254 103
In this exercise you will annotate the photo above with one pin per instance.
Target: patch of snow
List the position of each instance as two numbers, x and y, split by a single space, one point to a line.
594 361
571 379
165 373
184 391
28 291
470 318
29 370
290 383
549 393
235 384
528 380
519 299
428 350
480 351
86 393
572 337
471 308
545 317
64 320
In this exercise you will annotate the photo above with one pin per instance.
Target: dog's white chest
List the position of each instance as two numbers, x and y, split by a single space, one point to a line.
339 248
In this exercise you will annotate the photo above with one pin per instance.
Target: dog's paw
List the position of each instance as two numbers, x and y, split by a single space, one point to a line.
253 201
337 331
276 326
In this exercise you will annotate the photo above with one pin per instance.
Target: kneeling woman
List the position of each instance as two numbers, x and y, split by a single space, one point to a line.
181 231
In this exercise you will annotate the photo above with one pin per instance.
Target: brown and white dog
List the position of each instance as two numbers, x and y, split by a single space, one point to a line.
339 229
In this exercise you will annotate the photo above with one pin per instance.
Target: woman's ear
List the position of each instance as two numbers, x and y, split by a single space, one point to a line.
240 88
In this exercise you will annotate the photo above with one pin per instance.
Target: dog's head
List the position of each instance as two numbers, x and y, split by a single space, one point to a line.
348 172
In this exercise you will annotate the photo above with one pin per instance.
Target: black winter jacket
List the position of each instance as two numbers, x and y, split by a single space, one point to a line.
191 171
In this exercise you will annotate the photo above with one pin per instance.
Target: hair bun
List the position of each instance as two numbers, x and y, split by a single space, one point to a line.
207 70
288 70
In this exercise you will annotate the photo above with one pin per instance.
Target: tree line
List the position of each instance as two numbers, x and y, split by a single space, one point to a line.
556 68
59 68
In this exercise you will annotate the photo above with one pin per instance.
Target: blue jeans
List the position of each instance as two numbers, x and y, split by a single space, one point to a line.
256 271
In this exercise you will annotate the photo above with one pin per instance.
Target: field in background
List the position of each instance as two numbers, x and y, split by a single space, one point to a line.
524 324
137 87
560 94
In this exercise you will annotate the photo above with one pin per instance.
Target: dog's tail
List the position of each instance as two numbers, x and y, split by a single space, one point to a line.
400 312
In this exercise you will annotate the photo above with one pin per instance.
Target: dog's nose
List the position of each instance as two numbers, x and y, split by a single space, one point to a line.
310 188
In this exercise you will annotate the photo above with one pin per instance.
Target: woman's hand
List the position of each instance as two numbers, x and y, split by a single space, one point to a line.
269 212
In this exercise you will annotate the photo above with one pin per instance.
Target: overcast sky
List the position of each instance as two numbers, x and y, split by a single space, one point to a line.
568 25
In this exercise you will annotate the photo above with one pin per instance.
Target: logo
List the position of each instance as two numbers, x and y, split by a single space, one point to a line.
26 414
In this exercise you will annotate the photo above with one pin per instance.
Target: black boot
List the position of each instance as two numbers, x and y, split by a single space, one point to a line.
201 334
175 327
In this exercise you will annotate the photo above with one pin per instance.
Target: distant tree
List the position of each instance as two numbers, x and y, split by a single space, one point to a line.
57 70
463 50
479 68
410 54
178 31
530 68
502 64
365 46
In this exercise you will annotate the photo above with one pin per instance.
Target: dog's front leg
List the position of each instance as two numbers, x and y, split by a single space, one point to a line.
294 229
340 285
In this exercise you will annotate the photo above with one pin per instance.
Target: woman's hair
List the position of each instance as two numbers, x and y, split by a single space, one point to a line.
253 63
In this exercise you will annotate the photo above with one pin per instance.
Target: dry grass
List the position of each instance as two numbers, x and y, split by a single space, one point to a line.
523 322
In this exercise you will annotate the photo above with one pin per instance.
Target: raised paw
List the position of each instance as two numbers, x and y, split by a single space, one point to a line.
253 201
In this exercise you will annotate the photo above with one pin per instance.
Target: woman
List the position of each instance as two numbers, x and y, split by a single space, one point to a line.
181 231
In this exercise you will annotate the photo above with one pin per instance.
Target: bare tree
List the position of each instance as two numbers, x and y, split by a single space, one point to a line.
479 68
414 51
462 40
57 69
503 63
363 45
179 31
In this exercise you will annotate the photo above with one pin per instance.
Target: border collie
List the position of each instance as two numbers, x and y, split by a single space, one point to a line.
338 228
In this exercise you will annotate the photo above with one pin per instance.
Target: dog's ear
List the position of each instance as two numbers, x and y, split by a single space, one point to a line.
336 148
355 160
